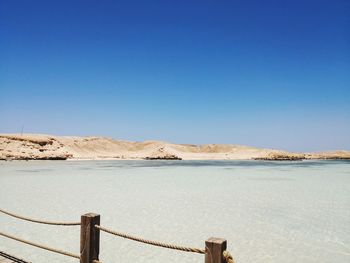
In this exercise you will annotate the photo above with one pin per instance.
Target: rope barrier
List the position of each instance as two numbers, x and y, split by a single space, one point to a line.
40 246
150 242
228 257
40 221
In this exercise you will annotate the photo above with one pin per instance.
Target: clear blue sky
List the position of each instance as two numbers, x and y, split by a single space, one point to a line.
262 73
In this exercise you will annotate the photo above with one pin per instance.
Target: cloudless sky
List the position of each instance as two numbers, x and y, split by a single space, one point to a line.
263 73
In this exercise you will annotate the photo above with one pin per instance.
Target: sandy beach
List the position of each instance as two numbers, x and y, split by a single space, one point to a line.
49 147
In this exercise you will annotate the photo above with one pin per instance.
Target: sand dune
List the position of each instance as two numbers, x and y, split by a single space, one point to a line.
47 147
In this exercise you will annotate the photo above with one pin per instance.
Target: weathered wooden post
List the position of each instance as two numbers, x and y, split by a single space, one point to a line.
215 247
89 238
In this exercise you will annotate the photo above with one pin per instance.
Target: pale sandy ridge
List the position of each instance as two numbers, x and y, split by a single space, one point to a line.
48 147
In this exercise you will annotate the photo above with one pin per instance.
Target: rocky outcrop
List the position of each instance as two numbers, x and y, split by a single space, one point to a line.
162 154
282 157
10 157
15 147
336 155
164 157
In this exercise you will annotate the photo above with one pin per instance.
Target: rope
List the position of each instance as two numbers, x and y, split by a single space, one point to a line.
41 246
150 242
228 257
13 258
40 221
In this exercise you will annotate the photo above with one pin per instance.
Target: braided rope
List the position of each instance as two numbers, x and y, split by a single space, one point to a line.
150 242
40 246
40 221
228 257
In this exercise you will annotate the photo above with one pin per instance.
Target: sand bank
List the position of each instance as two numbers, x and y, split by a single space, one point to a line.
48 147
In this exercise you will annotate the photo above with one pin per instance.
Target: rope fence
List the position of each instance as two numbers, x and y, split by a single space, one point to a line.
226 255
90 236
150 242
40 221
40 246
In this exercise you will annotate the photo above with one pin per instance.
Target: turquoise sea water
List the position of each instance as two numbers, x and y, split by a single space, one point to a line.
268 211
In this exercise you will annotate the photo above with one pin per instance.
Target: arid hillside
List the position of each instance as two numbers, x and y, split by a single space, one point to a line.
47 147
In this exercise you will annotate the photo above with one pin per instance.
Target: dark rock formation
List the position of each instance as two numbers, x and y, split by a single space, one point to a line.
164 157
282 157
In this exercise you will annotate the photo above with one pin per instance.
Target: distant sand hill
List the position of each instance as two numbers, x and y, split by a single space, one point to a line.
47 147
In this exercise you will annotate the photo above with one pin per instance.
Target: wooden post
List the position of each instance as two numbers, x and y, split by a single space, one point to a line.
215 247
89 238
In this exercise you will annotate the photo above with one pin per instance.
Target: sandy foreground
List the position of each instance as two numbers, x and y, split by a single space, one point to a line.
48 147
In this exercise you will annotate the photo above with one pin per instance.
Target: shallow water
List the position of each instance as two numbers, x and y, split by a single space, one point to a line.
268 211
